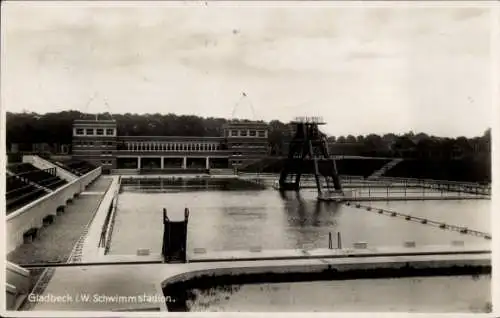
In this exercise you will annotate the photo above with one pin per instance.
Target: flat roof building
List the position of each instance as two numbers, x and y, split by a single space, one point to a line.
99 142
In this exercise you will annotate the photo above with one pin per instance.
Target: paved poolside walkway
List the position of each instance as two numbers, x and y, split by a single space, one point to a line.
56 241
99 287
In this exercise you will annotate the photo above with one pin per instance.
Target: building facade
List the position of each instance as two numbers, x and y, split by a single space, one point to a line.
247 142
98 142
95 141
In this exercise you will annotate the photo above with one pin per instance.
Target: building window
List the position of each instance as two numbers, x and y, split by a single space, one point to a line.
234 133
90 131
243 133
110 132
79 131
253 133
262 133
99 131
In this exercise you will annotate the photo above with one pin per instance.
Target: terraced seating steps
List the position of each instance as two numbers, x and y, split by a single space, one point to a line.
76 167
20 193
46 178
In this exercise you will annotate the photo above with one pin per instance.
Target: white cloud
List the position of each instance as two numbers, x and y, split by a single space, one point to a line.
359 68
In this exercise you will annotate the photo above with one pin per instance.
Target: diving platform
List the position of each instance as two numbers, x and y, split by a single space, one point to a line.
308 144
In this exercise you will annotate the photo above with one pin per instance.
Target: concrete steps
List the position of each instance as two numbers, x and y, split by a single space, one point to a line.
42 164
18 285
34 184
388 166
222 172
130 172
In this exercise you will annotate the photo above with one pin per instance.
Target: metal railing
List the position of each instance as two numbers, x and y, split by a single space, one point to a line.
408 217
452 186
443 186
366 192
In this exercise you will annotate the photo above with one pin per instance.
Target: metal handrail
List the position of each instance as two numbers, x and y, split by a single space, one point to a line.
422 220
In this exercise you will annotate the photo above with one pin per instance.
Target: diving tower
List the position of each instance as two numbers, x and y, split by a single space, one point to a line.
310 144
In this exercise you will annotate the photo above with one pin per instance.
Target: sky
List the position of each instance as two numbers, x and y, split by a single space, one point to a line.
364 70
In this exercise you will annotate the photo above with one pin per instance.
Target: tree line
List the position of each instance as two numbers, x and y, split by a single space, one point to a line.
55 128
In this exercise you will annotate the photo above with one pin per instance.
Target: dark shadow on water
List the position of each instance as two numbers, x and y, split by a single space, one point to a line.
325 209
187 293
175 184
303 212
284 195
